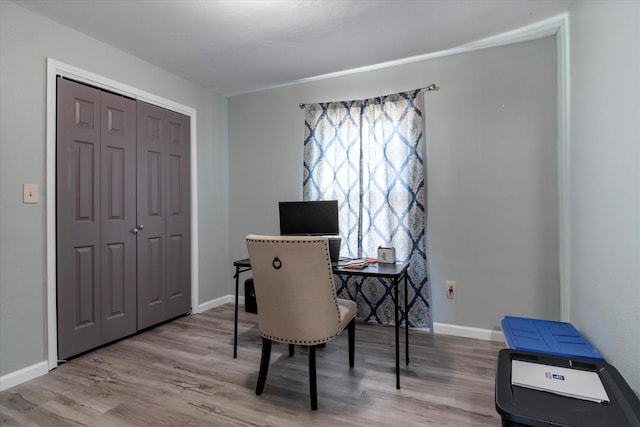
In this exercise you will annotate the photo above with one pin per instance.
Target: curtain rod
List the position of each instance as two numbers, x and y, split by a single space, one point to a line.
431 87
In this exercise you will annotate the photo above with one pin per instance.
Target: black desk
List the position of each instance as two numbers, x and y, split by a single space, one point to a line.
393 272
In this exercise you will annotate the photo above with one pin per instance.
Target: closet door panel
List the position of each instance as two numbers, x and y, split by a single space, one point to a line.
118 212
78 218
152 305
178 215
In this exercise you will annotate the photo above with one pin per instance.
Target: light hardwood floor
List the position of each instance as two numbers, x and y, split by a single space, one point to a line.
182 373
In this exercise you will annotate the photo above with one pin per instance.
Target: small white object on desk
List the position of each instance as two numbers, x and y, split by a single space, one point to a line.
386 255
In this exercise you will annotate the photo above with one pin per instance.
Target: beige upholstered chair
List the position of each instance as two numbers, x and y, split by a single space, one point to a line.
296 297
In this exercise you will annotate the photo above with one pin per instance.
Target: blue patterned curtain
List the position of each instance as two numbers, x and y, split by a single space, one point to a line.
368 155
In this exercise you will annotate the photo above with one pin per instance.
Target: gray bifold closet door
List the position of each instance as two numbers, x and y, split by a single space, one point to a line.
164 260
100 225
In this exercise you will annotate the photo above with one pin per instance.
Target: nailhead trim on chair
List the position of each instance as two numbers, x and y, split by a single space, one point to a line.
330 271
314 342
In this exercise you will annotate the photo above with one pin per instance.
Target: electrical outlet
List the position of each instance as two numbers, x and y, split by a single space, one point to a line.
450 289
30 193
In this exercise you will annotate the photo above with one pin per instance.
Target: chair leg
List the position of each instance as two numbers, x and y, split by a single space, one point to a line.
264 365
312 377
291 349
352 341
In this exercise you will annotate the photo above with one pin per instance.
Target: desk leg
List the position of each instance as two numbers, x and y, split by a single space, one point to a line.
396 283
406 318
235 317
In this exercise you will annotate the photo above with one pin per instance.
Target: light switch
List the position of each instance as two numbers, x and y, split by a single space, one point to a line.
30 193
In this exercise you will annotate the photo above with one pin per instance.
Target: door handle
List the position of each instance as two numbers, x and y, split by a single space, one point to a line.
135 230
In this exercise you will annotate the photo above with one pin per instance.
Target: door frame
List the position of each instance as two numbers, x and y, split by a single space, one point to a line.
57 68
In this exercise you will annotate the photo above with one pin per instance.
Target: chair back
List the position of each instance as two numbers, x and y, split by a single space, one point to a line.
295 291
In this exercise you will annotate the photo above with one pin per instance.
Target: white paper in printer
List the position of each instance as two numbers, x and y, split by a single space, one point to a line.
563 381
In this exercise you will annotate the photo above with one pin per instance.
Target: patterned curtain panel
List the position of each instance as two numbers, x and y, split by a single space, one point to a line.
368 155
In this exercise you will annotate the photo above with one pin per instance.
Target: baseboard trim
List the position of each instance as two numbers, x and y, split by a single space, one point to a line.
30 372
41 368
438 328
218 302
23 375
468 332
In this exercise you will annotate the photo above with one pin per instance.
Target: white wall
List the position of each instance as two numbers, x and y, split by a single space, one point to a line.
605 180
26 40
491 172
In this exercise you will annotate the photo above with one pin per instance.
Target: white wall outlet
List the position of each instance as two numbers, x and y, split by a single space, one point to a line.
30 193
450 289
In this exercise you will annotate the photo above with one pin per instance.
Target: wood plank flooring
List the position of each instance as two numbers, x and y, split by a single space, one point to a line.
182 373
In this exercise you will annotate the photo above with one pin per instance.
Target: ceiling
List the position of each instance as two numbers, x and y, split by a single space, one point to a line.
242 46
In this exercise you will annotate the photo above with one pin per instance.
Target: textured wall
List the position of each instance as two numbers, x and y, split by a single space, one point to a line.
605 180
26 41
491 172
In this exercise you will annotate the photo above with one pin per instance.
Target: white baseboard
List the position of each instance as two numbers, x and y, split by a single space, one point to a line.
41 368
438 328
23 375
468 332
30 372
218 302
